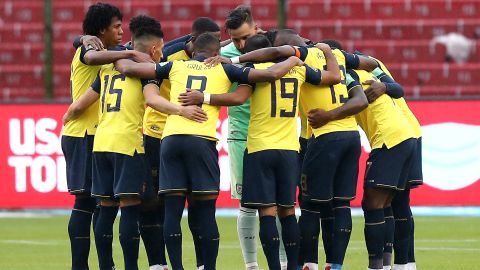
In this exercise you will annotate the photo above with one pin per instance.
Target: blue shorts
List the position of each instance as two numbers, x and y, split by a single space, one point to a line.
389 168
415 177
270 178
301 154
330 168
152 161
78 157
189 164
116 175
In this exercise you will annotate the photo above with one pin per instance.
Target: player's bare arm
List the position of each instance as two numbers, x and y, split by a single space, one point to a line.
93 57
238 97
366 63
331 75
80 105
262 55
274 72
132 69
153 99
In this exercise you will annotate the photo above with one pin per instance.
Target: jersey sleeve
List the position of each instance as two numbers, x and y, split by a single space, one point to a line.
83 51
301 52
174 48
150 81
237 73
313 75
352 61
394 89
76 42
163 69
96 85
352 79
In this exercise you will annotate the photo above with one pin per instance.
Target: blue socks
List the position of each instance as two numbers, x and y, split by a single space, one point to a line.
327 217
152 234
172 231
270 241
130 235
389 234
104 236
341 232
309 223
79 231
403 226
194 224
375 237
209 235
291 240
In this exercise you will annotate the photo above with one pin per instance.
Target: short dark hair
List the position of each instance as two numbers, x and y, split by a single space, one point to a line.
238 16
99 17
203 25
288 37
271 35
141 21
143 25
333 43
256 42
206 42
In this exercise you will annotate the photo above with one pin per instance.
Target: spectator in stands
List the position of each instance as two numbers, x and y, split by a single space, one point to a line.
459 47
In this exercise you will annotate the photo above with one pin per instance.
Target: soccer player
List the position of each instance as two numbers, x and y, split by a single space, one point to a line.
119 168
102 21
270 162
392 140
189 160
331 168
241 25
403 234
154 121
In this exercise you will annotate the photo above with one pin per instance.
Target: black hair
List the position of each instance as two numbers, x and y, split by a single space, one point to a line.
206 42
288 37
99 17
203 25
142 21
238 16
143 25
333 43
271 35
256 42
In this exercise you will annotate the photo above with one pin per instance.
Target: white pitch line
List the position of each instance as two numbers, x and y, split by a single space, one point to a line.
30 242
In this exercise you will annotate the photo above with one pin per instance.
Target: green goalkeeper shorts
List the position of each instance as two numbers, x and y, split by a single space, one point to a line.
236 149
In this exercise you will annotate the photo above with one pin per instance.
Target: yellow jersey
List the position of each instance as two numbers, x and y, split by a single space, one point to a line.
120 112
327 97
195 74
273 110
81 77
417 128
154 121
383 121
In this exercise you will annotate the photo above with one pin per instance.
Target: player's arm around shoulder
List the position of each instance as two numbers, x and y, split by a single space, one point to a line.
274 72
331 75
153 99
144 70
86 100
386 85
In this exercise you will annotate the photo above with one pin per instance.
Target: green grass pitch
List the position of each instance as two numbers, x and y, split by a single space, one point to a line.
42 243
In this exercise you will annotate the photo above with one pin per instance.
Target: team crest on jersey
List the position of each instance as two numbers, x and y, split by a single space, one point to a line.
239 189
154 127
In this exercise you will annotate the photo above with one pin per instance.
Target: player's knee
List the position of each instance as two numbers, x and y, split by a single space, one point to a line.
340 204
108 202
308 206
285 211
204 197
126 201
84 204
267 211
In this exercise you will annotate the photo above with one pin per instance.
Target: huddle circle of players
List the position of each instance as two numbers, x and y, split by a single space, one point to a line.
150 160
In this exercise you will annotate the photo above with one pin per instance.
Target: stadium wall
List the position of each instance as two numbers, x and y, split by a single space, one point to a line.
32 166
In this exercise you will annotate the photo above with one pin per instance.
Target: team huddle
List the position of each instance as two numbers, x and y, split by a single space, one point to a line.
140 136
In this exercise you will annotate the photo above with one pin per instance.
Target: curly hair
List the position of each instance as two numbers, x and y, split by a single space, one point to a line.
99 17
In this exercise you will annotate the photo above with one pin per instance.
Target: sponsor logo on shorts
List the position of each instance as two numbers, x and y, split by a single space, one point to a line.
303 182
239 189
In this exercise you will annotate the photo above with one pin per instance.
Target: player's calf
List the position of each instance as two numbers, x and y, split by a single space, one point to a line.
103 232
79 230
129 230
